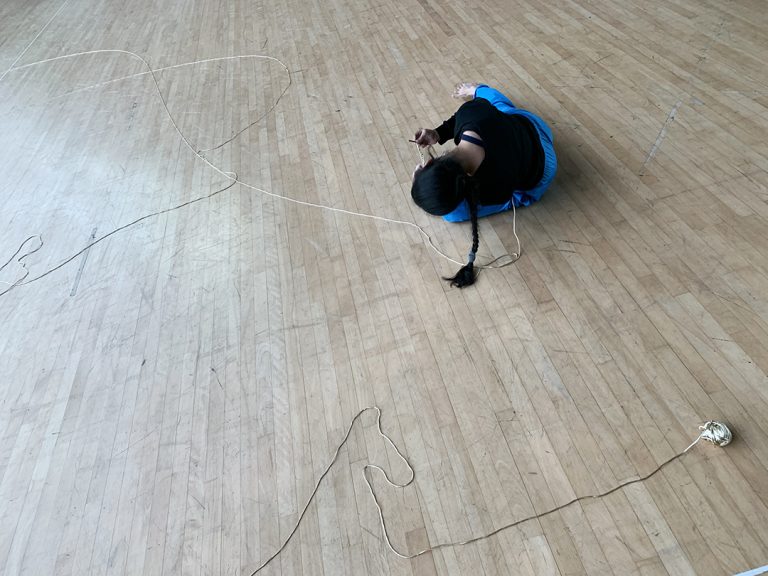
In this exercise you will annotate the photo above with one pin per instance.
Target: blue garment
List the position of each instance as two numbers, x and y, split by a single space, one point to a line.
519 198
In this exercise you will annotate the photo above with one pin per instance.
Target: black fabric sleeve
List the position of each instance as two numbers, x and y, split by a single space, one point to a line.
445 130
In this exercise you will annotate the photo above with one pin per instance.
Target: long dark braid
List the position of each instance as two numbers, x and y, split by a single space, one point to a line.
466 276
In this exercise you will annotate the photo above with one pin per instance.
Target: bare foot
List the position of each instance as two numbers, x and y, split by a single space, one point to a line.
465 91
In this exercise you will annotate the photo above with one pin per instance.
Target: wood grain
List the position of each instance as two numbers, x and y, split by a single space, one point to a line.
173 415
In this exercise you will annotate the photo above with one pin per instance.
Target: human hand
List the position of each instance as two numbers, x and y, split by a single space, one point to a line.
426 137
465 91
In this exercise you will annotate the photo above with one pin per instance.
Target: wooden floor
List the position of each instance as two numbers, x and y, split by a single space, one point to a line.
169 397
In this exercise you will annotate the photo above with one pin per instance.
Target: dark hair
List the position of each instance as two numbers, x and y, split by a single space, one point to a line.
435 187
438 189
466 276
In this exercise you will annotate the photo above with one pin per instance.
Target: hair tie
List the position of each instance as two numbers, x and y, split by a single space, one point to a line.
471 257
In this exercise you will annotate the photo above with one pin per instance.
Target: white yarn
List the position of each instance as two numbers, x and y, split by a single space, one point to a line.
43 29
235 179
715 432
23 280
20 281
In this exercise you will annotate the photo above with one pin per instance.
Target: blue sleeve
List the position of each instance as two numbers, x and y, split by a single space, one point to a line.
500 102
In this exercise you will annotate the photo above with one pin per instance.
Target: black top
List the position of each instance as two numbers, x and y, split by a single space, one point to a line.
514 159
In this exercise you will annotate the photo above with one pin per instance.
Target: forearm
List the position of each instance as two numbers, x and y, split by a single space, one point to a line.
445 130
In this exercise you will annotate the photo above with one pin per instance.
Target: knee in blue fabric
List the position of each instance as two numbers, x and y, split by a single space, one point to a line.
499 100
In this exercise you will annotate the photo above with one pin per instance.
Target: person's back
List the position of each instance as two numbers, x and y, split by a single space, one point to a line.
514 158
